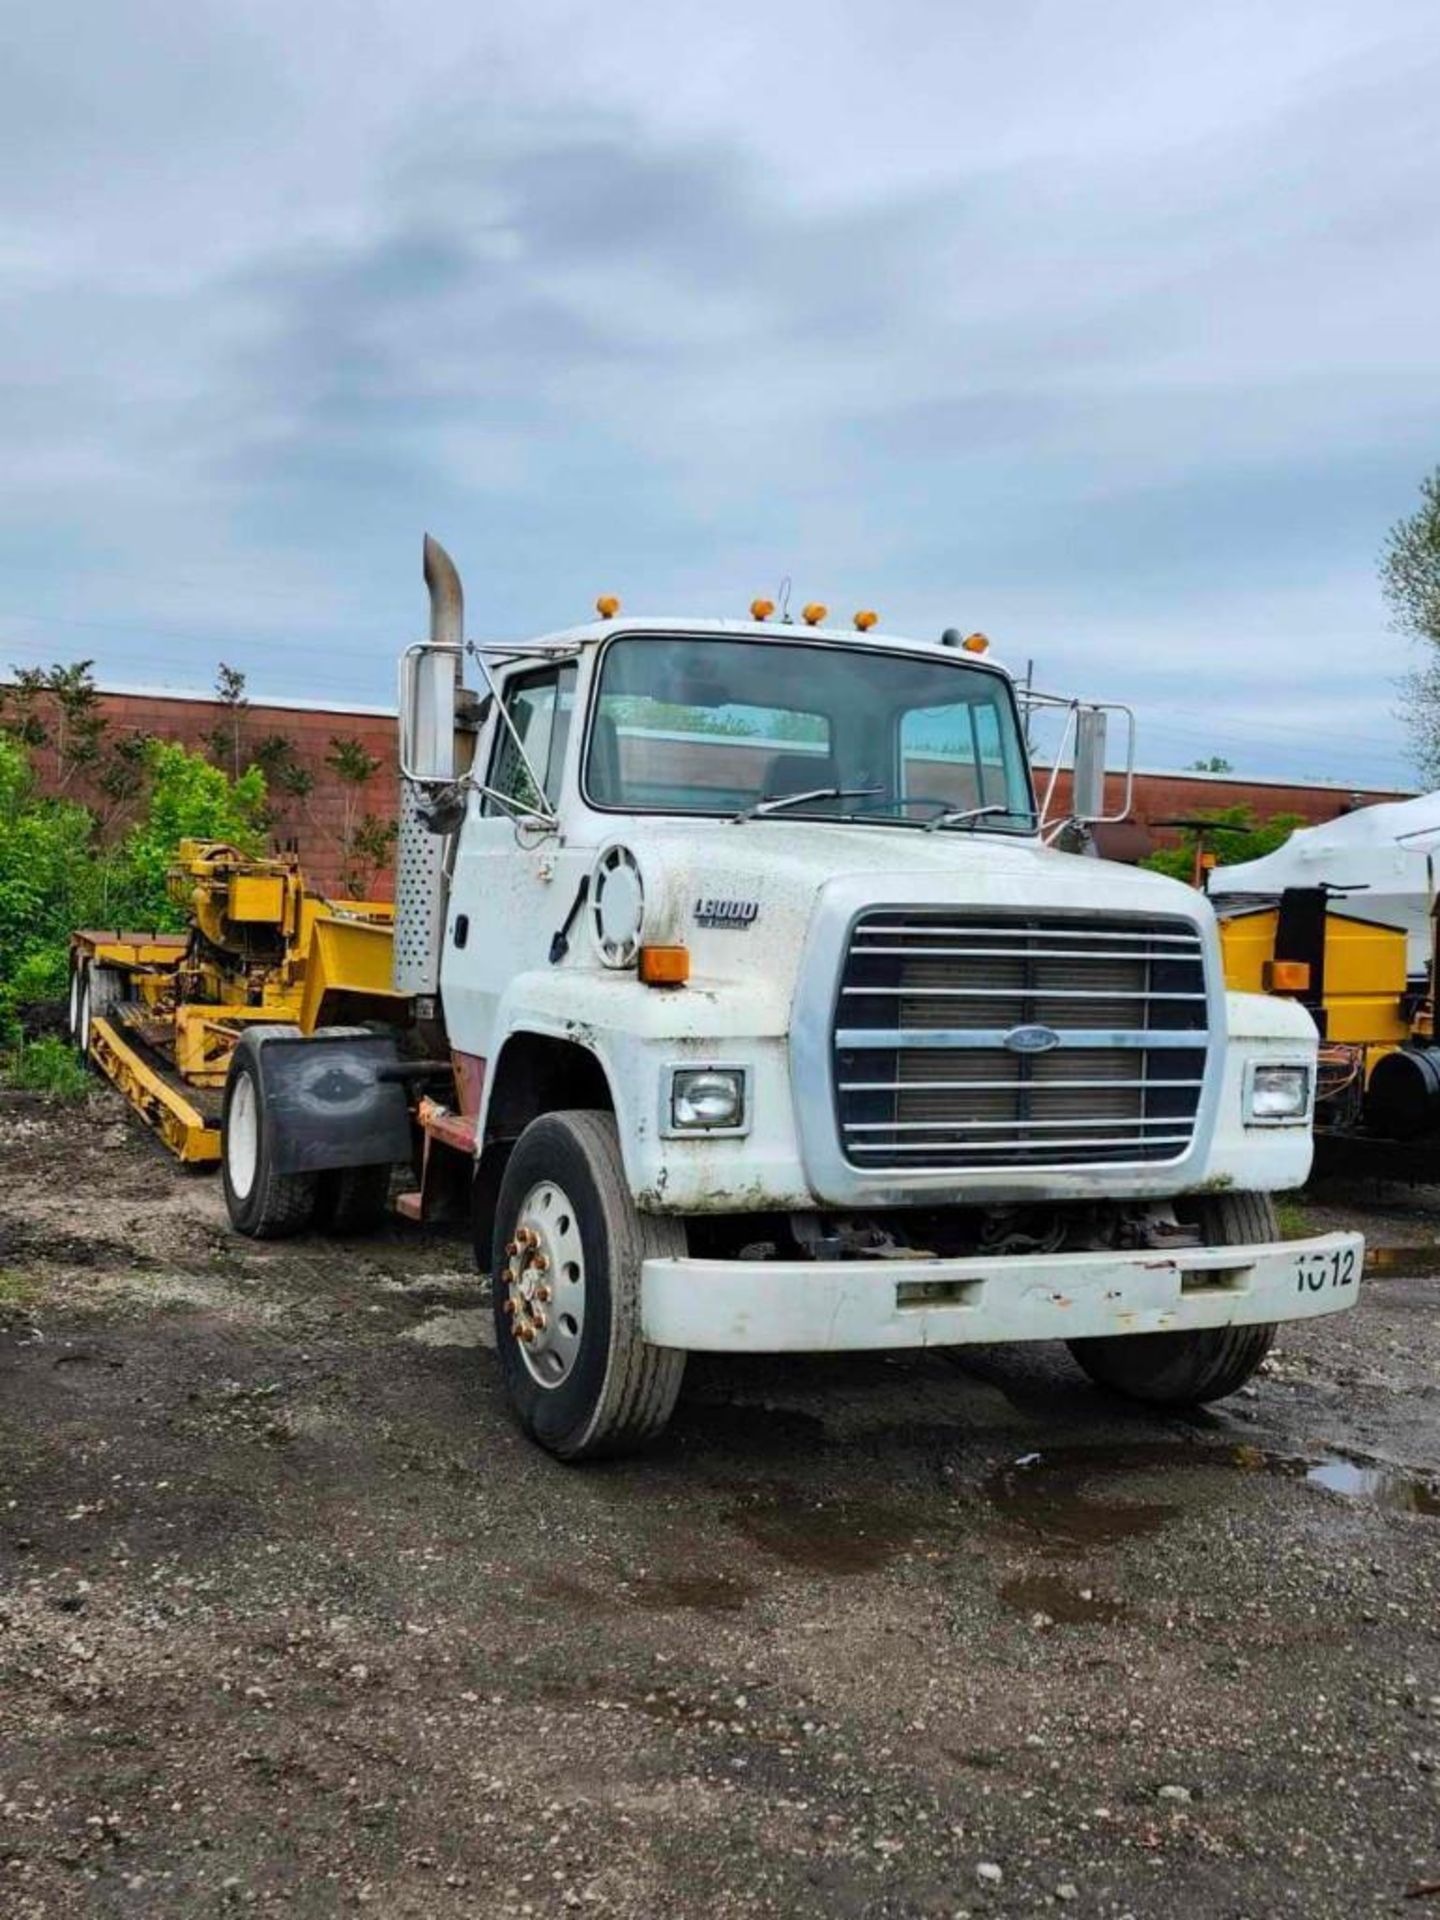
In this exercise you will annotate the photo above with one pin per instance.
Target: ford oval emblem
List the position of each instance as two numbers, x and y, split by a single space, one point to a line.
1031 1039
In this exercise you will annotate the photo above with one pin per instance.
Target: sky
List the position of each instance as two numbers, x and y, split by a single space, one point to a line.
1108 329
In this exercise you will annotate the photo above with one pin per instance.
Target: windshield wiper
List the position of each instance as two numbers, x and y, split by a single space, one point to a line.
962 817
784 800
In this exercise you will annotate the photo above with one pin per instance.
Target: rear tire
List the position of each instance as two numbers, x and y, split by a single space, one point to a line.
352 1199
586 1383
262 1204
1193 1368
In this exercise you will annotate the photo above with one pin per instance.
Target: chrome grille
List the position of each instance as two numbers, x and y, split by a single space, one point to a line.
923 1078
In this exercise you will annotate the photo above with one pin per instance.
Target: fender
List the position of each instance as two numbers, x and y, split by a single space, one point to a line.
328 1100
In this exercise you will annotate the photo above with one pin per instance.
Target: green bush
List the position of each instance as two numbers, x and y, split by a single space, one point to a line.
46 1066
57 874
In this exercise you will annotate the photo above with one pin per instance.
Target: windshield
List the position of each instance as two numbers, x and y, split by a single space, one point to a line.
718 725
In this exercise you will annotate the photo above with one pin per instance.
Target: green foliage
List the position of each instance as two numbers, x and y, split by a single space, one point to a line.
56 873
1212 763
189 799
1233 834
46 1066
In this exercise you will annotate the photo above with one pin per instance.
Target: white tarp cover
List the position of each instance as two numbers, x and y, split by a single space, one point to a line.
1392 851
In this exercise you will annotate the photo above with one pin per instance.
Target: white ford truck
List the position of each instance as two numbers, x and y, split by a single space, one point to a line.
775 1023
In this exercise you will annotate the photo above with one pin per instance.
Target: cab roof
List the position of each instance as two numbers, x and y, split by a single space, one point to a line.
778 631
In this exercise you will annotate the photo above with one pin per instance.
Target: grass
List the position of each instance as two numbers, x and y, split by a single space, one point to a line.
45 1066
17 1289
1293 1221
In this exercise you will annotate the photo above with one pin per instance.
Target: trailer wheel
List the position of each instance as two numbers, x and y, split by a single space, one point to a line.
565 1276
262 1204
1192 1368
352 1199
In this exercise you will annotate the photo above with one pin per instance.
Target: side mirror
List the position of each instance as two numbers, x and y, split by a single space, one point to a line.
1087 786
429 678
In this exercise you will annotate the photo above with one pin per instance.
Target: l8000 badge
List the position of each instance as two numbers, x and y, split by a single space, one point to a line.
737 915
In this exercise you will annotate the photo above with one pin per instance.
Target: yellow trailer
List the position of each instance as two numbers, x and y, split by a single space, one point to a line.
160 1014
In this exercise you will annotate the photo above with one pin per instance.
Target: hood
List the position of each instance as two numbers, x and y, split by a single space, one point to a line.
709 884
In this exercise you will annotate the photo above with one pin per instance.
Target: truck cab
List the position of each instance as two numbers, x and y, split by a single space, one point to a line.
779 1024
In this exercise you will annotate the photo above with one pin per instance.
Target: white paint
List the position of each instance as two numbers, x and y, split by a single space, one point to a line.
806 1306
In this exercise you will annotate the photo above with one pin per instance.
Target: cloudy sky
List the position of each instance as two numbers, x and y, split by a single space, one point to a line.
1109 328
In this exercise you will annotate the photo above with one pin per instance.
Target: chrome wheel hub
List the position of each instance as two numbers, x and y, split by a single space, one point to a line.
544 1282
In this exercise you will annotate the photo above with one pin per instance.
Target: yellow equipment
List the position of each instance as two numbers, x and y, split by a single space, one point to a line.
1350 974
159 1014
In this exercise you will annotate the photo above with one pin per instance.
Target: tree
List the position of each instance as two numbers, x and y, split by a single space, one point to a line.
1212 763
1410 580
365 841
225 740
1232 834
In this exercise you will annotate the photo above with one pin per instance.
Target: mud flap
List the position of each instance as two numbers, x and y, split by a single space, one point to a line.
326 1104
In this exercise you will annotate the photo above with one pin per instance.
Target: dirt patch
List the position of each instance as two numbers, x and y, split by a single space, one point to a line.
292 1619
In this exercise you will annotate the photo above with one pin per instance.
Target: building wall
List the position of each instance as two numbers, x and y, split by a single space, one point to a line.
317 824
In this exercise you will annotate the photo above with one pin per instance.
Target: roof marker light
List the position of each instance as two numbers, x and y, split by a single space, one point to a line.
865 619
607 606
813 613
761 609
975 643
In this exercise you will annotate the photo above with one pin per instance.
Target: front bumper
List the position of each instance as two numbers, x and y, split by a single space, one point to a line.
806 1306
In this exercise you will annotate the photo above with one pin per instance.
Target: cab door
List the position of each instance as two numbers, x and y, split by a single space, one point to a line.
510 890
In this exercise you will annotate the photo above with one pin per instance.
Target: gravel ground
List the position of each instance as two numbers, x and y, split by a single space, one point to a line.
291 1618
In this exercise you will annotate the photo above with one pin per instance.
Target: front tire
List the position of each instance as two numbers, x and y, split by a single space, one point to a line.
1193 1368
262 1204
565 1278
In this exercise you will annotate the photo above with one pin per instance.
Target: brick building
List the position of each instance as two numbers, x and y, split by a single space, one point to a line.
317 822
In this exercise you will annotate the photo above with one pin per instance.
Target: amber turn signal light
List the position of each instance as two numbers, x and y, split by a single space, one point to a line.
1285 976
607 606
814 613
865 619
975 643
761 609
664 966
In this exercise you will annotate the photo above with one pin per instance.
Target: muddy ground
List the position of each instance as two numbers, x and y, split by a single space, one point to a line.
291 1618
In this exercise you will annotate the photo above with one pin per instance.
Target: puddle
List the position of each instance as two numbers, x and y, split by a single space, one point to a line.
1068 1606
1388 1488
691 1592
1066 1496
1402 1263
1060 1495
836 1537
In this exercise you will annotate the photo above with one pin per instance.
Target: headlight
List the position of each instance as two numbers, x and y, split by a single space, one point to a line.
1278 1094
707 1099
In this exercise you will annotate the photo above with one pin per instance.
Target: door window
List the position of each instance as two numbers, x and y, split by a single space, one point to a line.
541 707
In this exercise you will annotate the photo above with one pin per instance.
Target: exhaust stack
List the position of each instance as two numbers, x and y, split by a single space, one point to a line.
427 735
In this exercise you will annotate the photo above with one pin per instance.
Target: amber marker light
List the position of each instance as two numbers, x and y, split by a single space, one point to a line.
761 609
975 643
814 613
1285 976
607 606
664 966
865 619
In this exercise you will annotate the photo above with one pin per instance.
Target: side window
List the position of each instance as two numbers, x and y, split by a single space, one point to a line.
540 706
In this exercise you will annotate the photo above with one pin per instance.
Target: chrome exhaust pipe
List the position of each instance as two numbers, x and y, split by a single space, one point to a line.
447 596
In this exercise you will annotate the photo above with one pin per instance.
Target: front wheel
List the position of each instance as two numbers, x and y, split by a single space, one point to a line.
1192 1368
565 1276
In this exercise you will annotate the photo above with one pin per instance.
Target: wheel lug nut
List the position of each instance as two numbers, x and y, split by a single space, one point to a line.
542 1294
540 1263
